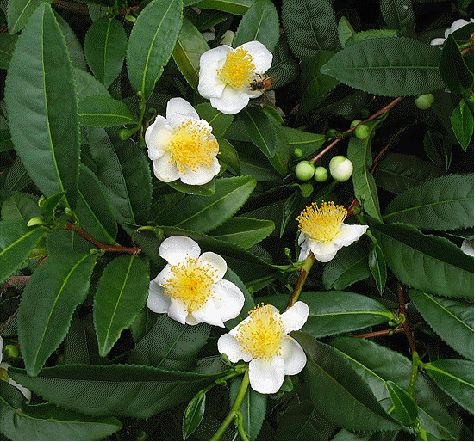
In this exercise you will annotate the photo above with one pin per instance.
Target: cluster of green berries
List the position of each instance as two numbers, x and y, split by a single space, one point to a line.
340 168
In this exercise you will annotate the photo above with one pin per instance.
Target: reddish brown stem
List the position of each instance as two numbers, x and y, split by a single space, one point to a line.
107 247
376 115
405 325
386 332
15 281
303 273
354 204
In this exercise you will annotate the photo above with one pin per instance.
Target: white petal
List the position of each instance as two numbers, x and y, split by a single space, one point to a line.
208 313
165 169
305 250
230 346
180 110
349 233
294 357
157 137
175 249
209 84
216 262
165 274
267 375
261 56
467 247
228 298
156 300
202 175
458 24
177 311
437 42
323 252
231 101
295 317
302 237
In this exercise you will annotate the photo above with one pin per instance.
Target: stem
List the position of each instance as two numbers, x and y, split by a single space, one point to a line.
405 325
304 271
386 332
235 409
416 361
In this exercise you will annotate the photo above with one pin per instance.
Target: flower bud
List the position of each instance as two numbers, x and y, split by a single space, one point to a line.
304 170
321 174
362 132
424 102
298 152
227 38
11 351
341 168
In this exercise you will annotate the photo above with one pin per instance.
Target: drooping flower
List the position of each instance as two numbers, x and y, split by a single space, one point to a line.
323 232
191 288
456 25
4 375
182 146
467 247
228 76
263 340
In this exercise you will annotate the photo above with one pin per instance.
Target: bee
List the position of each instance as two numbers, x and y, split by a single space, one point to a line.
262 83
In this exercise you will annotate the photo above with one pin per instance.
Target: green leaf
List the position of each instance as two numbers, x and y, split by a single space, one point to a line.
438 148
307 141
204 213
121 292
103 111
105 45
444 203
284 67
19 11
310 26
188 50
462 124
194 414
170 345
87 85
377 266
371 33
20 207
455 377
388 66
228 156
204 189
260 23
332 380
74 46
349 266
16 243
399 14
426 262
151 43
253 408
48 303
404 405
451 320
248 299
244 232
261 130
41 100
123 390
453 69
237 7
345 31
218 121
359 152
7 46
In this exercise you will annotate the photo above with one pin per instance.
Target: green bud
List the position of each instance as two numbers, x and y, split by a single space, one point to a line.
306 189
424 102
304 170
124 134
130 18
341 168
362 132
355 123
321 174
11 351
298 152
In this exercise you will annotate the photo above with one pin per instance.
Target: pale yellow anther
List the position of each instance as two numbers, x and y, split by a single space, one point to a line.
322 223
238 69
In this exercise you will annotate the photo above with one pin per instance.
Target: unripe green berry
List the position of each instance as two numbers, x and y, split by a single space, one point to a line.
298 152
321 174
11 351
304 170
424 102
124 134
341 168
362 132
355 123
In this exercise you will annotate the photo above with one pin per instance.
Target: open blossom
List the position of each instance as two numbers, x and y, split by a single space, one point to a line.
227 75
323 232
262 340
191 288
182 146
456 25
3 366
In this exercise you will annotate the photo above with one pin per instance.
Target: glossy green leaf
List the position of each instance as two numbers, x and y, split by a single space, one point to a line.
438 149
87 85
260 129
404 405
451 320
121 292
105 45
310 26
7 46
121 390
72 42
228 156
453 68
42 106
19 11
194 414
103 111
399 14
237 7
261 23
189 47
218 121
426 262
20 207
444 203
462 124
377 266
455 377
16 243
284 67
151 43
388 66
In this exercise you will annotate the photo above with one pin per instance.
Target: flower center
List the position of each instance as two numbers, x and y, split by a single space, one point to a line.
238 69
193 146
322 223
261 335
190 283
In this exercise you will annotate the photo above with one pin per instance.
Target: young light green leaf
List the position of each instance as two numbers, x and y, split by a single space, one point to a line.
151 43
404 405
345 31
103 111
19 11
462 124
194 414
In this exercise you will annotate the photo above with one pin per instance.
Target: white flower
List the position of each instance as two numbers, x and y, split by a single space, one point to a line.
323 232
467 247
456 25
182 146
191 288
227 75
262 340
3 366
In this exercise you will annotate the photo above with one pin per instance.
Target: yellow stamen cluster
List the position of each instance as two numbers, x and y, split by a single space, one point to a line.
238 69
193 146
190 283
322 223
261 335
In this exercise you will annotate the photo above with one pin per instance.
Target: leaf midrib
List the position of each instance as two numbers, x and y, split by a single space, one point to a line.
430 204
431 367
14 243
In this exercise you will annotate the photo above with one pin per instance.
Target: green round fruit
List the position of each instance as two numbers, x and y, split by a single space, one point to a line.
298 152
321 174
304 170
424 102
362 132
341 168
